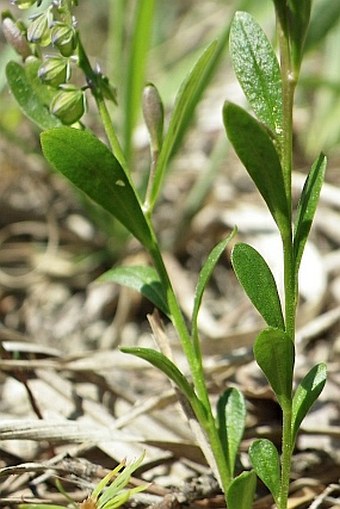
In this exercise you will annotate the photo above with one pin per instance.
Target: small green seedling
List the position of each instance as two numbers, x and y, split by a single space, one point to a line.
43 87
109 493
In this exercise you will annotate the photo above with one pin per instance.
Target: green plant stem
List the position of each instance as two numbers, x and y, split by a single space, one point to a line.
286 457
194 358
290 277
93 80
110 131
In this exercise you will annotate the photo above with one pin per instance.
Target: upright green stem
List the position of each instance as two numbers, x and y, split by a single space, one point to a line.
290 284
196 368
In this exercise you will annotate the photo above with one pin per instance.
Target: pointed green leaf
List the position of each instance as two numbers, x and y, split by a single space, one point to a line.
257 69
164 364
143 279
306 394
186 101
241 491
274 353
258 154
93 169
307 206
266 463
258 282
204 277
231 417
32 96
298 22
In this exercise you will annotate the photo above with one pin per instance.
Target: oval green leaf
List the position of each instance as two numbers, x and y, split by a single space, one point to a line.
266 463
258 154
307 206
32 96
141 278
93 169
258 282
306 394
231 417
274 353
257 69
241 491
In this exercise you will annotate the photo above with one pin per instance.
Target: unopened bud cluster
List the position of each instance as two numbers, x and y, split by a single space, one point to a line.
52 29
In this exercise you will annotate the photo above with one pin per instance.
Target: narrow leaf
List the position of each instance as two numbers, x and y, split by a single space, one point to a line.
325 16
231 416
143 279
266 463
306 394
161 362
204 277
241 491
307 206
258 154
93 169
257 69
32 96
258 282
185 103
274 353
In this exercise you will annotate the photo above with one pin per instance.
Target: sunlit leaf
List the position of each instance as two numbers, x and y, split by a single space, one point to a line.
274 353
266 463
143 279
257 69
204 277
306 394
307 206
32 96
258 154
258 282
161 362
93 169
241 491
231 416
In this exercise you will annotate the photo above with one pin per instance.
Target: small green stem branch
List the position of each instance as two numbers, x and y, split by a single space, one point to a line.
207 421
92 80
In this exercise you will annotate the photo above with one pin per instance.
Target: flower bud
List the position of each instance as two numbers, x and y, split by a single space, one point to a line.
64 37
54 71
68 104
14 36
38 31
153 115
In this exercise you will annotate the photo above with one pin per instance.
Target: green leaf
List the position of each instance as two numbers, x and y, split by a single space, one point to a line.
274 353
257 152
32 96
266 463
258 282
204 277
231 416
307 206
93 169
241 491
143 279
186 100
325 17
298 21
306 394
136 68
257 69
161 362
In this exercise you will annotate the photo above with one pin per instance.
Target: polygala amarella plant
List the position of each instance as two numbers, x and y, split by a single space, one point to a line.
43 87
